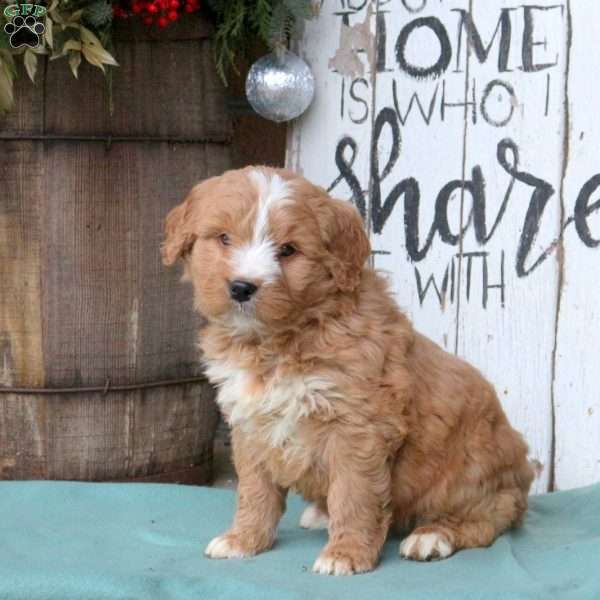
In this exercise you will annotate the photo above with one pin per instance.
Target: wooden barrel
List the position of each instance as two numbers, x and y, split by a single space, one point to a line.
99 370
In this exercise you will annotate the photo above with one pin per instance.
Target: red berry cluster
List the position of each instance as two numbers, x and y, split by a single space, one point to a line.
161 12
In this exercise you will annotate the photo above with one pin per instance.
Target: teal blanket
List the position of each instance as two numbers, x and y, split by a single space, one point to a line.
78 541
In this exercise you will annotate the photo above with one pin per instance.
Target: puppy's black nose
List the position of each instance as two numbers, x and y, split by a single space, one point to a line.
241 291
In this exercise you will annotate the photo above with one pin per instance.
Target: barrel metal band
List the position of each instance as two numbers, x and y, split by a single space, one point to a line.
104 389
109 139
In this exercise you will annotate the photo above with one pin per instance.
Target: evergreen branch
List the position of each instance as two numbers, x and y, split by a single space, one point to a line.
238 21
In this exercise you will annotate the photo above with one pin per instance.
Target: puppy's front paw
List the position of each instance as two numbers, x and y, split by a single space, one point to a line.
426 544
342 562
226 546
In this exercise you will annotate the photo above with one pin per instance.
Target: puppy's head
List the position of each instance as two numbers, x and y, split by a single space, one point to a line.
262 245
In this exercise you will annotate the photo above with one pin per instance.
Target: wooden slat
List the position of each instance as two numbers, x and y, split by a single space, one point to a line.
109 302
130 435
168 331
27 115
576 389
23 451
159 89
161 434
430 147
508 331
22 177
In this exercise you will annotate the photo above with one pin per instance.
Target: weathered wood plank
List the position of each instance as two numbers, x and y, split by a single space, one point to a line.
27 115
104 284
159 89
508 292
576 384
418 146
162 433
23 452
22 176
130 435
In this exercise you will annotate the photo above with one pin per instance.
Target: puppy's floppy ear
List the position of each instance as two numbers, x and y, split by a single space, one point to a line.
179 238
346 241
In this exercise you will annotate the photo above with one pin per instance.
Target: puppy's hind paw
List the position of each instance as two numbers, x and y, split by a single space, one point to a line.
428 544
314 517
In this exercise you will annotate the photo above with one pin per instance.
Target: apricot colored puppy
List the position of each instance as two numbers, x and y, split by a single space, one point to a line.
328 388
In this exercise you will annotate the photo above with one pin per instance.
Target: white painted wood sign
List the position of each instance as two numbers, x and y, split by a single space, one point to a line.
467 132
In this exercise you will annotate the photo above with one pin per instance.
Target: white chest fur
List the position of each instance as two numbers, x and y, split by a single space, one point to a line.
271 408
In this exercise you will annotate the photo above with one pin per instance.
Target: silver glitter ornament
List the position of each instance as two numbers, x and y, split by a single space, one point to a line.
280 86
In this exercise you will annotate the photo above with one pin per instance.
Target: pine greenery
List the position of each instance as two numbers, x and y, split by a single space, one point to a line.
239 21
98 13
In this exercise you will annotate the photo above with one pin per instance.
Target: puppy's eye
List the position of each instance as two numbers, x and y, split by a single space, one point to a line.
224 239
286 250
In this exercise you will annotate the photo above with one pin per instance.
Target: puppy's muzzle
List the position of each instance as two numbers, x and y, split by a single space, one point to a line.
241 291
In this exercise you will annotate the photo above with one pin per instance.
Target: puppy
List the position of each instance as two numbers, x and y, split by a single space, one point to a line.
328 388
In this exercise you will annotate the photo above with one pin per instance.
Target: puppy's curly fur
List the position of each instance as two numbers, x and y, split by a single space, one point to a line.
328 388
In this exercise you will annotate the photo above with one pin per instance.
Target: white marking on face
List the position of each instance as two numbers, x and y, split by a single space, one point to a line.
257 260
270 192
